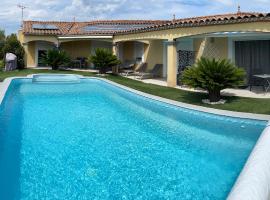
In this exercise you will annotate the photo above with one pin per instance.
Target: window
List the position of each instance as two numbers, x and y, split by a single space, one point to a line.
41 55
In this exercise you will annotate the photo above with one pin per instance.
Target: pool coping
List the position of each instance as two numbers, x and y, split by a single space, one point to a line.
4 87
226 113
254 180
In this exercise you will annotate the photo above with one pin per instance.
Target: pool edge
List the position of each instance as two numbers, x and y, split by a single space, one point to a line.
226 113
4 87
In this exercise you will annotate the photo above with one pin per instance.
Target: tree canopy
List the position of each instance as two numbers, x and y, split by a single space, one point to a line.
13 45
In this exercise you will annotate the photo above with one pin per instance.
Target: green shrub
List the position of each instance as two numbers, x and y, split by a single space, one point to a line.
2 43
56 58
13 45
213 76
2 65
103 59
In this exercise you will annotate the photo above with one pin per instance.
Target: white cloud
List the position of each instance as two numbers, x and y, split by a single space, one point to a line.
119 9
226 2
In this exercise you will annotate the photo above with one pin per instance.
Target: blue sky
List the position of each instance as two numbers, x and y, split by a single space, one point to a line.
83 10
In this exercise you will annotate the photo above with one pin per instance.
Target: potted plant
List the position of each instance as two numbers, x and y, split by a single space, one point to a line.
213 76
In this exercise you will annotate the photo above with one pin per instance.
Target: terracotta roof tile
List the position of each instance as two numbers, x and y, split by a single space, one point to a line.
63 28
103 27
240 17
114 27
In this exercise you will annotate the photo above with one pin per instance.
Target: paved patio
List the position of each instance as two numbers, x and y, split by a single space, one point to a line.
257 92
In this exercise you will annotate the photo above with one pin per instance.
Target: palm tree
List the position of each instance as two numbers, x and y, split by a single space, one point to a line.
103 59
213 75
55 58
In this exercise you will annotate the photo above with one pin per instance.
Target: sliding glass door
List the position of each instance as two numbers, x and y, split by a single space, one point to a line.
253 56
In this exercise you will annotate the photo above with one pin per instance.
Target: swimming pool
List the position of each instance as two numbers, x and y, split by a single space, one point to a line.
92 140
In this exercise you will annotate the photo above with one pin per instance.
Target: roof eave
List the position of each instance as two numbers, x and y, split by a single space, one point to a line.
198 24
63 37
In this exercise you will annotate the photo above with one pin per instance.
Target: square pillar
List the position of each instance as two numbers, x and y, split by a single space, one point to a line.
171 64
30 54
115 49
116 53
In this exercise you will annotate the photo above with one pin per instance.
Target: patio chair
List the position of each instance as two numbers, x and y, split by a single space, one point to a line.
255 81
139 69
126 66
128 69
155 72
83 61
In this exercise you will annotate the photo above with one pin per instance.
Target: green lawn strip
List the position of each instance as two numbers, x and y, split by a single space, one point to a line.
240 104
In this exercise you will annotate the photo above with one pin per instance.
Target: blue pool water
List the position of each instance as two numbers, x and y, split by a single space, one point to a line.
92 140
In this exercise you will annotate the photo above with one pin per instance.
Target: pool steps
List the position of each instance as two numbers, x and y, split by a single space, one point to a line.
55 78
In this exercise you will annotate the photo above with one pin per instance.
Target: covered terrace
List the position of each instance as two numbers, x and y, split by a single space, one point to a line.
241 37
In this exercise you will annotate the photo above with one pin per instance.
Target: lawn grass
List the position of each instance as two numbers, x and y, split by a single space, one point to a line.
240 104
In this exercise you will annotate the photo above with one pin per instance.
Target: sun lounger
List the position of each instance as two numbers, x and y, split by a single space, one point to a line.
126 67
152 73
139 69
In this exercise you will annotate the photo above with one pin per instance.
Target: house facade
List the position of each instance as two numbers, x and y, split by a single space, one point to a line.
242 37
78 39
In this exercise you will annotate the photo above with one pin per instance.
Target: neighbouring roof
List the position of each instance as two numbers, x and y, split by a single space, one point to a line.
106 27
114 27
